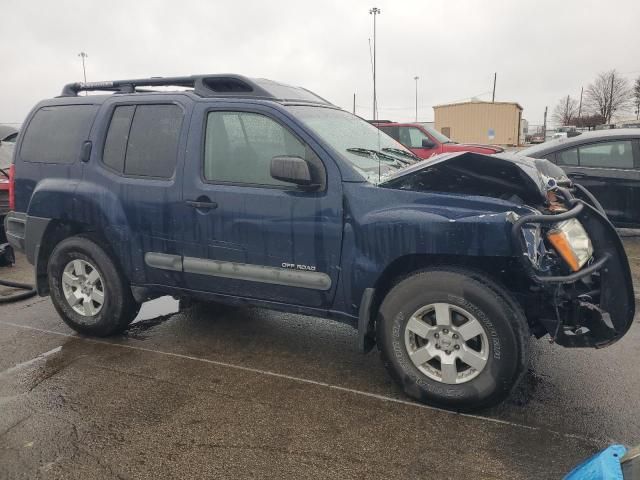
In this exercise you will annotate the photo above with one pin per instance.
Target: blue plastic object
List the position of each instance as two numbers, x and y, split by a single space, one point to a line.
604 465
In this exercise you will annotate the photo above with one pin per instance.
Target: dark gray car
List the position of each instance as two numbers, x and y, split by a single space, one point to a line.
607 163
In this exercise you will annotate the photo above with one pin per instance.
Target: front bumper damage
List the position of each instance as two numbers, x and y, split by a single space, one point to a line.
593 307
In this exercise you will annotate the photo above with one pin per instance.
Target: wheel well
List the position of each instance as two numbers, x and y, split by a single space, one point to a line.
496 268
56 231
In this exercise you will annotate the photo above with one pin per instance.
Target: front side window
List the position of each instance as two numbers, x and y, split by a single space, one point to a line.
55 134
412 137
618 154
239 147
142 140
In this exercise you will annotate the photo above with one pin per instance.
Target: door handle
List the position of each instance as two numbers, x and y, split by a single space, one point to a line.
202 205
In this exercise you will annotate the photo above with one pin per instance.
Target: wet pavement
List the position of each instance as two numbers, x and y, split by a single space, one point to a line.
222 392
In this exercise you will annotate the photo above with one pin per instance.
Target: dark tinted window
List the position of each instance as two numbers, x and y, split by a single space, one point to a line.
618 154
115 146
153 141
55 134
393 132
239 148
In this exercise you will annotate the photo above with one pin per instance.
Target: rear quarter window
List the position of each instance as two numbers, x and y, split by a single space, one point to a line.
55 133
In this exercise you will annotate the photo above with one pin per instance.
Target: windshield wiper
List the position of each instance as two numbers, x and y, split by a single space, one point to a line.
404 153
375 153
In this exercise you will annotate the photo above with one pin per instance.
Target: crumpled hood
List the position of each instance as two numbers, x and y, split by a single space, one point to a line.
504 175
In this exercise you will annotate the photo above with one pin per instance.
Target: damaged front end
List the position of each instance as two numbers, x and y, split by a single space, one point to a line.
578 287
584 288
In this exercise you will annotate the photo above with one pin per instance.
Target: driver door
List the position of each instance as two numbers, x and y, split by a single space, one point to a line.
247 234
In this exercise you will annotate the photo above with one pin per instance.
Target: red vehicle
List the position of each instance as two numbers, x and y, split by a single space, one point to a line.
426 141
7 141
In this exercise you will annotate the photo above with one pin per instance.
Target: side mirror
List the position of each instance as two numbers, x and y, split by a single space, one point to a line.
427 143
292 170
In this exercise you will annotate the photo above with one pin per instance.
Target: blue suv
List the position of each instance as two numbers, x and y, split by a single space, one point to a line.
247 191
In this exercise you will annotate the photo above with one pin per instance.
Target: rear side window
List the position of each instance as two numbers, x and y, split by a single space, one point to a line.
393 132
55 134
568 157
142 140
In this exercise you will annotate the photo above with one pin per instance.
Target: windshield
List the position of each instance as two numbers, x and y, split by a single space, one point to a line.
436 134
373 153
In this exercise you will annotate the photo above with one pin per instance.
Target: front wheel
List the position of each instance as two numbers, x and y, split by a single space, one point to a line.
453 338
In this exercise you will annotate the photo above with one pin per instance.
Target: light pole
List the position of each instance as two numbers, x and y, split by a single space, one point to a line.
83 55
375 12
416 78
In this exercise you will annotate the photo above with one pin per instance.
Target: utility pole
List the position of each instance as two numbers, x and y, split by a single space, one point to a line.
608 120
495 77
580 107
544 125
83 55
416 78
375 12
354 103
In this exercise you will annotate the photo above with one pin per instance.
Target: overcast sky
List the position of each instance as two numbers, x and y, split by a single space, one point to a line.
541 49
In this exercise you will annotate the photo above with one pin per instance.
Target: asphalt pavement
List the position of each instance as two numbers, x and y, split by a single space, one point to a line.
222 392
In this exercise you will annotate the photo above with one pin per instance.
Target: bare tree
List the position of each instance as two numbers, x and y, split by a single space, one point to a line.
589 121
565 111
636 97
608 94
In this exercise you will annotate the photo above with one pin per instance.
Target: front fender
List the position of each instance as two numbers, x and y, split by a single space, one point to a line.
383 225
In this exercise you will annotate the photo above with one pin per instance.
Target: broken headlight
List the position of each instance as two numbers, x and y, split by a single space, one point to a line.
571 241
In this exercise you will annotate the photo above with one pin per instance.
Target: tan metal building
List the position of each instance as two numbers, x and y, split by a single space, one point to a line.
496 123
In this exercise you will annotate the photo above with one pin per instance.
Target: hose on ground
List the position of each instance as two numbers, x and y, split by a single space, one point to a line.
30 291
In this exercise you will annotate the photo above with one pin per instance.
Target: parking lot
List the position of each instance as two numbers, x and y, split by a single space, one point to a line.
221 392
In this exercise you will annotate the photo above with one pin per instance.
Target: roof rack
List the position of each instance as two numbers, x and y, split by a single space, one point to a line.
218 85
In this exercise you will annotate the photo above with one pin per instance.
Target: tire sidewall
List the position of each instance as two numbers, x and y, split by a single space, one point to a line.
494 382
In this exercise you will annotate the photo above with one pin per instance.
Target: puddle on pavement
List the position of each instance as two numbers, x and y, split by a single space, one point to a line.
152 313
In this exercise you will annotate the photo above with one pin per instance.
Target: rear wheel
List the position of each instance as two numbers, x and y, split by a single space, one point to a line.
453 338
87 289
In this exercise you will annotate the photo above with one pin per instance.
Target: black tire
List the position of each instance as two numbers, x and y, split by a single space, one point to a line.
119 307
504 325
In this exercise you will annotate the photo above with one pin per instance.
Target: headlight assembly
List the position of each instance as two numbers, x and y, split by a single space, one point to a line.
572 243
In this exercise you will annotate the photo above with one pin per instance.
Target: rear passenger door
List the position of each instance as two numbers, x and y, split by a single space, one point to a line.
135 181
611 171
247 234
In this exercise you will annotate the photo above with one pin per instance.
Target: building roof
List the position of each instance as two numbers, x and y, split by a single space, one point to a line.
478 102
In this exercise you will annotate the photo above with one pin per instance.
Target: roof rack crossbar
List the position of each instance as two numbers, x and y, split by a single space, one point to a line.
126 86
216 85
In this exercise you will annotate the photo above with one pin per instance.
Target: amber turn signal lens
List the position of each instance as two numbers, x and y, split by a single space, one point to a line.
560 242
